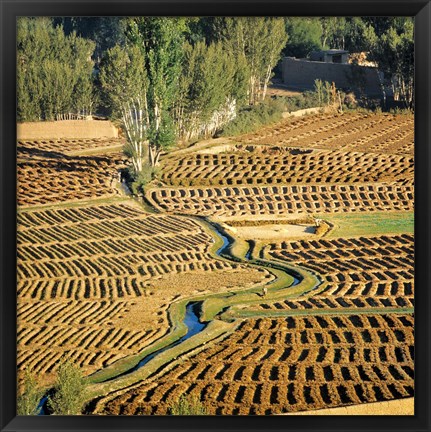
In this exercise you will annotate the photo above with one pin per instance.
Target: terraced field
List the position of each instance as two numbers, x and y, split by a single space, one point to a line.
282 200
358 273
52 177
271 366
68 146
262 165
93 279
361 132
293 325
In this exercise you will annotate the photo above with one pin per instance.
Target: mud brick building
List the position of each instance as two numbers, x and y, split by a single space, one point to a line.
331 66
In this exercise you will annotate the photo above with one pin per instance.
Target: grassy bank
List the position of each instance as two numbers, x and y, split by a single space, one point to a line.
368 224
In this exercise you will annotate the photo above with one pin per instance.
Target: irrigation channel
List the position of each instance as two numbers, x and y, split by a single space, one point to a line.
193 311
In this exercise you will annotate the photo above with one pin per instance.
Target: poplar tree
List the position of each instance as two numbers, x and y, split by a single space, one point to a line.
54 71
304 36
393 51
160 40
125 83
207 89
260 41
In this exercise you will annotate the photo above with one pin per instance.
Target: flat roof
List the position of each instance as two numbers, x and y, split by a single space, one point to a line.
331 51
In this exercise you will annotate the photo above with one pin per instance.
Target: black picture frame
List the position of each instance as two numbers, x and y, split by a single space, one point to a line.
10 10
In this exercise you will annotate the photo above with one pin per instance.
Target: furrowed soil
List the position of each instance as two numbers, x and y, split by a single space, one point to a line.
272 366
98 274
95 280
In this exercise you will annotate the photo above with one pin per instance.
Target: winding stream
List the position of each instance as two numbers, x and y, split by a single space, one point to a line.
194 326
192 314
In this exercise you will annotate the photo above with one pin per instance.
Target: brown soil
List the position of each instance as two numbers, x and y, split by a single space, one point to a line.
94 280
283 200
361 273
377 133
50 177
260 165
272 366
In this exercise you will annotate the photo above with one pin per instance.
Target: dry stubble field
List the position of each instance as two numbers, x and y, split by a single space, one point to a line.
95 278
349 340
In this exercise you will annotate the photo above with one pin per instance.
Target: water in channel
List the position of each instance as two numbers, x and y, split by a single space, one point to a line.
191 319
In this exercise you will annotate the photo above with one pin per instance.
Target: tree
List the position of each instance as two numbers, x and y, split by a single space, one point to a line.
160 40
355 39
333 32
29 398
124 81
106 32
259 41
69 390
206 88
54 71
304 36
393 51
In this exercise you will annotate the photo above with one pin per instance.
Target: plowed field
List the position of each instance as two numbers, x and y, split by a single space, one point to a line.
49 176
100 274
94 279
259 165
271 366
363 273
282 200
376 133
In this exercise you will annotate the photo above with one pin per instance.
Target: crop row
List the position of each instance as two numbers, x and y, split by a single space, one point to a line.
113 257
60 178
365 272
270 366
59 216
94 282
70 312
281 200
92 348
348 132
316 167
113 246
66 146
126 227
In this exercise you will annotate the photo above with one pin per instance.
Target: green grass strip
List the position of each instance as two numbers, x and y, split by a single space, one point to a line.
370 223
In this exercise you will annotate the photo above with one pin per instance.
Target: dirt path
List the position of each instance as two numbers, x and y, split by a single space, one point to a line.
395 407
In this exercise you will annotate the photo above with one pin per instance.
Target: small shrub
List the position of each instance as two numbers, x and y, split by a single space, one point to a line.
322 229
188 405
140 180
69 390
28 400
350 101
252 118
401 111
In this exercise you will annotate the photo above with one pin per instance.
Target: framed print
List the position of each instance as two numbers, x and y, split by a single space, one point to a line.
215 216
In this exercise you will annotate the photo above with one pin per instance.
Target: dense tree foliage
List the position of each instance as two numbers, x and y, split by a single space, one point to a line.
54 71
124 80
393 51
257 42
106 32
29 397
160 41
210 87
178 78
69 390
333 32
304 36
